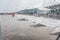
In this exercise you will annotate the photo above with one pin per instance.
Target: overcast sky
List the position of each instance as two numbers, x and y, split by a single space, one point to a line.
16 5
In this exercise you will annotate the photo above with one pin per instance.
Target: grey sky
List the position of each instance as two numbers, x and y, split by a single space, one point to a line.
16 5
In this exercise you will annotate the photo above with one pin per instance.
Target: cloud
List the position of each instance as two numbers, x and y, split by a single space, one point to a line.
16 5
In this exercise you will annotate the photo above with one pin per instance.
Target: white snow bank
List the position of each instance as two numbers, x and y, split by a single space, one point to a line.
46 21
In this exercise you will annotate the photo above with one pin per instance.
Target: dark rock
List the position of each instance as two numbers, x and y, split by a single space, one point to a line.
38 25
23 19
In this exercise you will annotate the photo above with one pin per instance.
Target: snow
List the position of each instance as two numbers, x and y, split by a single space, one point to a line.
54 24
11 24
46 21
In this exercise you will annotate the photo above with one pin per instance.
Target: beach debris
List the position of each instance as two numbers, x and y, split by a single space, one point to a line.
38 25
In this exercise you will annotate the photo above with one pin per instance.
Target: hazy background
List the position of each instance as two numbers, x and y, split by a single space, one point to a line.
17 5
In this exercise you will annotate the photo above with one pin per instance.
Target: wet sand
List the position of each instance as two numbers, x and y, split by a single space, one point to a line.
13 29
